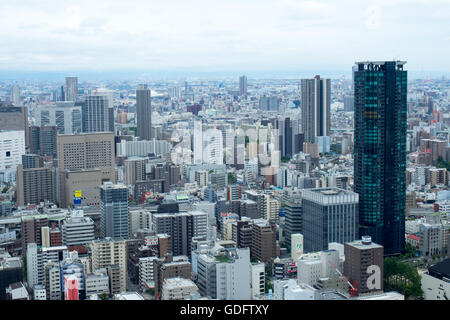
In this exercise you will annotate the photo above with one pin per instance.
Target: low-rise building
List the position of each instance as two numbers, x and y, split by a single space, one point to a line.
178 289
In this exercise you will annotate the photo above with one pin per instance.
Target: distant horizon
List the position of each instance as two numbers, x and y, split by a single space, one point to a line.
180 74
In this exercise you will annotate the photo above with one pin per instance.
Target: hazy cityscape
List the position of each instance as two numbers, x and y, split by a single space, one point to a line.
225 183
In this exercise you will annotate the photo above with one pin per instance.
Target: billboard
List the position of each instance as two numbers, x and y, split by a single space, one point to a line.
296 245
151 241
77 197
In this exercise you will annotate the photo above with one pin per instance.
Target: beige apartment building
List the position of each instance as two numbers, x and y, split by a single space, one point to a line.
108 252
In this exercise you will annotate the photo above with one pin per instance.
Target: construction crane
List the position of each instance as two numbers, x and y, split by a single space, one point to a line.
353 289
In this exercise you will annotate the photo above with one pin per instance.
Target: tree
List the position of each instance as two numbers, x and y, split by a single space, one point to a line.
443 164
25 273
5 189
410 252
269 284
103 296
401 277
231 179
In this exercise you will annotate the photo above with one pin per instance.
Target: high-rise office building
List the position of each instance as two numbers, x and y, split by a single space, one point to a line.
66 116
181 227
349 103
144 112
95 115
329 215
71 93
315 107
271 103
114 210
243 85
293 221
380 151
15 95
43 140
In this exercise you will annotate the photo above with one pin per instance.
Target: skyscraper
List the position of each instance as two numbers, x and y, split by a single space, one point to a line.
15 95
329 215
144 112
71 93
380 151
315 108
181 227
95 113
114 210
66 116
243 85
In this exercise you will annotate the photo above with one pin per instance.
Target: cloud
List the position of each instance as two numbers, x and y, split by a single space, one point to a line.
239 35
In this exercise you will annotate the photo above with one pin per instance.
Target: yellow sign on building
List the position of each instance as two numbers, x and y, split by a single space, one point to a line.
77 193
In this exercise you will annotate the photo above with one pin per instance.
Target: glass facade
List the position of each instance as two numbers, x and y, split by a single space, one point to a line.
380 152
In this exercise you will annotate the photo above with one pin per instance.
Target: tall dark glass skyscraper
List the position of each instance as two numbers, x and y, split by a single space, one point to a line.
380 151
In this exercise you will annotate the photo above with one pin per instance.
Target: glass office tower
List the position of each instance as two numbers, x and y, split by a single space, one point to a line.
380 151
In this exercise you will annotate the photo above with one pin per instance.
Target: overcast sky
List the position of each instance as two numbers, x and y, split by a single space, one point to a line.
247 35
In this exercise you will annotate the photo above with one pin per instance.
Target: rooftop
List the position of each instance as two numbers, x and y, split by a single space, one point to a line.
440 270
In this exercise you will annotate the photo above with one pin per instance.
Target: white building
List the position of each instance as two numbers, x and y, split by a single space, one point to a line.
63 114
431 239
272 208
225 274
12 147
143 148
412 226
140 219
37 258
201 177
97 283
258 279
146 272
313 266
296 246
39 292
128 296
293 290
77 230
15 95
178 289
17 291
